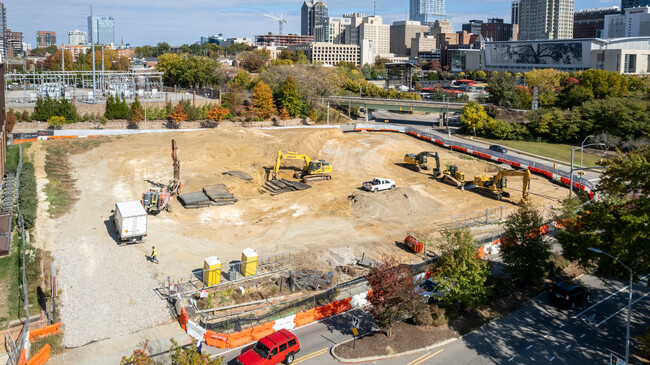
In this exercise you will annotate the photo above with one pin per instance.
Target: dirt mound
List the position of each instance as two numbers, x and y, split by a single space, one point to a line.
400 202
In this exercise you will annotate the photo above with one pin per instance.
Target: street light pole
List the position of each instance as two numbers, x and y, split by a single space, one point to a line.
629 304
582 146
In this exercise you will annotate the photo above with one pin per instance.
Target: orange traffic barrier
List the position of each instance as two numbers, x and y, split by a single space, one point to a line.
216 339
305 317
41 357
22 360
45 331
481 252
183 319
262 331
239 338
323 311
341 306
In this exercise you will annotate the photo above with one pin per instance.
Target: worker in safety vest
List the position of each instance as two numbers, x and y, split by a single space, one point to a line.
154 255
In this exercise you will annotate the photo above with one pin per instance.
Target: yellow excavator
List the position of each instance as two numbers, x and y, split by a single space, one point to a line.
417 162
494 186
312 170
452 175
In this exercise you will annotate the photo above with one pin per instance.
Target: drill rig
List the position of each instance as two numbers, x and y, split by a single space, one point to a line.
159 196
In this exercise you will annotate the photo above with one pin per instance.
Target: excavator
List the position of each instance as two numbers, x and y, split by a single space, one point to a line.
312 170
452 175
159 196
417 162
494 186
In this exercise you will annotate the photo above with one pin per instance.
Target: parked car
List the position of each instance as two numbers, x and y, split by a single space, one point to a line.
429 291
497 148
280 346
568 294
378 184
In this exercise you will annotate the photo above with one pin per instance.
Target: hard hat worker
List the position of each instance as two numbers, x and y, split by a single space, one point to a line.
154 255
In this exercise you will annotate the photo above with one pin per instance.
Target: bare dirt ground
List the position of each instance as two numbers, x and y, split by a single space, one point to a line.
331 224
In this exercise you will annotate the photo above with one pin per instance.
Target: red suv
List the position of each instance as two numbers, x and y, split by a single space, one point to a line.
275 348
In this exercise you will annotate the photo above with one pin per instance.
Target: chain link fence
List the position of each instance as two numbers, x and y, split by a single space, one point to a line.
17 346
479 217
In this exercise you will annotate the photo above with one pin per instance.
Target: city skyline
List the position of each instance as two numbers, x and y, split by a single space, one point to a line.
203 17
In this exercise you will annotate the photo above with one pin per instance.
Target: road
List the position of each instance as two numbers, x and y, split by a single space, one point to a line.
426 122
537 333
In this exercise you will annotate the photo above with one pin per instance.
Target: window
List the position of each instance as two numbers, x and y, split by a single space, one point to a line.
630 63
274 352
283 347
648 64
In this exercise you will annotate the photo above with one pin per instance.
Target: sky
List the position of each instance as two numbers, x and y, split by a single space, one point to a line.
141 22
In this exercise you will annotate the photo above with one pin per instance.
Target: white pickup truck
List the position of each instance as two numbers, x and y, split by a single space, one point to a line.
378 184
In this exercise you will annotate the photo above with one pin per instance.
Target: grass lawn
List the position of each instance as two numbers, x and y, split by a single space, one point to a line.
557 151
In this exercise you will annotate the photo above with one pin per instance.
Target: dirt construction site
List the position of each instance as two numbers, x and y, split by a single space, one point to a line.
108 290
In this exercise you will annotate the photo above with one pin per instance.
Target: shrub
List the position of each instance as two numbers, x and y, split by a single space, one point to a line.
28 197
422 315
56 121
438 316
557 262
11 121
116 108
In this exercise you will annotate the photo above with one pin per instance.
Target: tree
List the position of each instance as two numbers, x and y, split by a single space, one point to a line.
284 115
241 80
218 113
474 117
502 89
116 108
11 121
545 79
460 273
617 222
122 64
178 115
234 101
263 100
254 60
289 98
136 114
55 61
301 58
179 355
524 251
392 296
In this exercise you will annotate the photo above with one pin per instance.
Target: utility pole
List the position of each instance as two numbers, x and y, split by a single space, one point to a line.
92 49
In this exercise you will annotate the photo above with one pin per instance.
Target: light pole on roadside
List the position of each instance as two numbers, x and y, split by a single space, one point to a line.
629 303
581 168
582 146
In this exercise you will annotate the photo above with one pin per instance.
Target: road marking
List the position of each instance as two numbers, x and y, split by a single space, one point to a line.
618 311
583 335
551 359
428 357
568 346
510 359
311 356
528 348
611 295
412 362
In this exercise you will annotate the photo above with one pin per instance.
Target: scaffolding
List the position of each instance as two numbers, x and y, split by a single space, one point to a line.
23 89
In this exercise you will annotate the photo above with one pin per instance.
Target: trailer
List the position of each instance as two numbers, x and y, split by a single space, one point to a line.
130 220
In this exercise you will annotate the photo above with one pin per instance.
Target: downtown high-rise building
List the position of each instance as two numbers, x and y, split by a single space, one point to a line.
428 11
4 34
514 14
545 19
633 4
76 37
45 38
101 29
313 12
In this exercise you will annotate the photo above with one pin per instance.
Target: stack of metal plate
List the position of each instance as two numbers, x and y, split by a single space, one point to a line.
219 195
276 187
194 200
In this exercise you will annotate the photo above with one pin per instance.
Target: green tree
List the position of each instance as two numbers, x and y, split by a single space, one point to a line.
241 80
524 251
617 222
263 100
289 98
392 297
67 110
56 122
461 274
502 89
603 84
301 58
474 117
254 60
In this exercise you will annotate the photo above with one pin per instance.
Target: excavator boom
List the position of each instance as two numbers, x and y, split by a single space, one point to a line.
495 185
311 171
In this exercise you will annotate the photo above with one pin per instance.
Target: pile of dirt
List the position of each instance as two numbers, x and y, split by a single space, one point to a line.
399 202
405 337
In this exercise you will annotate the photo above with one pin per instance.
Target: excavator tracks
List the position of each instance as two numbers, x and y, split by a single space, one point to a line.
448 179
313 178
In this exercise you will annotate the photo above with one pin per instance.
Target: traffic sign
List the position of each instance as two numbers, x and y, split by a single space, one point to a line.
355 332
616 360
355 321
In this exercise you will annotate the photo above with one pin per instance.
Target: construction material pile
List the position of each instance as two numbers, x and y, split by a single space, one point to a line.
217 194
280 186
309 280
240 174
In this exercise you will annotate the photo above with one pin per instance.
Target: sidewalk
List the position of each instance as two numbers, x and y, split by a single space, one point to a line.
111 351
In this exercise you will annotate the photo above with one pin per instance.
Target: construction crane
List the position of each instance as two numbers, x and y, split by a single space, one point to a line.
312 170
494 186
159 196
280 20
417 162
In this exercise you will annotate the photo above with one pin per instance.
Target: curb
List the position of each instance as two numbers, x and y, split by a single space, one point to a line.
386 357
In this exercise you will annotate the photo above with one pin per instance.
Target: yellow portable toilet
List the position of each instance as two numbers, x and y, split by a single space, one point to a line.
211 271
248 262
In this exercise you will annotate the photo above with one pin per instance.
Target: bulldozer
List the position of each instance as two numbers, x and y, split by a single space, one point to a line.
417 162
494 186
452 175
159 196
317 170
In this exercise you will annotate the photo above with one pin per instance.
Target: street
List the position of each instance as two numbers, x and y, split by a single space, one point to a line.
537 333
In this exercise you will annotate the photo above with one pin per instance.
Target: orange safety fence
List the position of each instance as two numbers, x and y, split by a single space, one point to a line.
41 357
262 330
45 331
25 140
305 317
215 339
183 319
239 338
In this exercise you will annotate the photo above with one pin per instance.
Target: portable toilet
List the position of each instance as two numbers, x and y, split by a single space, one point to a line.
249 262
211 271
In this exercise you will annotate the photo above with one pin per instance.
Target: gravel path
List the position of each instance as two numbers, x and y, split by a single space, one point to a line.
107 291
